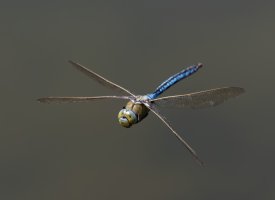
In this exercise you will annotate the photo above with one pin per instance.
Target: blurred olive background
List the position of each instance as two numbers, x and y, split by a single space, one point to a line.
79 151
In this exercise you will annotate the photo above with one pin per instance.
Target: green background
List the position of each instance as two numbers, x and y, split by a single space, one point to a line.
79 151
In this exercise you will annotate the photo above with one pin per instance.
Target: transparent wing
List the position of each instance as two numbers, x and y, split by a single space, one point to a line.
200 99
153 108
100 79
78 99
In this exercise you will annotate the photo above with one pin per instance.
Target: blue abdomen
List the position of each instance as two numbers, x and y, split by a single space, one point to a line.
174 79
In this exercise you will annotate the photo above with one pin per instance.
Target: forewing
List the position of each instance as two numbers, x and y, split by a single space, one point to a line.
100 79
200 99
153 108
78 99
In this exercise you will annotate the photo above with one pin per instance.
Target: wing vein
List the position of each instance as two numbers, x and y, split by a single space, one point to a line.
77 99
200 99
183 141
100 79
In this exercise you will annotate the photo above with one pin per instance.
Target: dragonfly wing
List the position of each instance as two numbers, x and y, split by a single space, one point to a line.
200 99
78 99
100 79
154 109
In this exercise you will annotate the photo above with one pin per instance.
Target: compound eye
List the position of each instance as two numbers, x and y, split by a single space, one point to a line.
127 118
124 122
122 118
121 113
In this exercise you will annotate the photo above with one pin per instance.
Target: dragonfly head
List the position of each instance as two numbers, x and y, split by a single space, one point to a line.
127 118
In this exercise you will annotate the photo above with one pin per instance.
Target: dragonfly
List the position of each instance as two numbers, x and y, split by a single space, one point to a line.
138 106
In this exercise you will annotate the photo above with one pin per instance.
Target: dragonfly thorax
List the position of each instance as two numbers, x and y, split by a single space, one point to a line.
133 113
